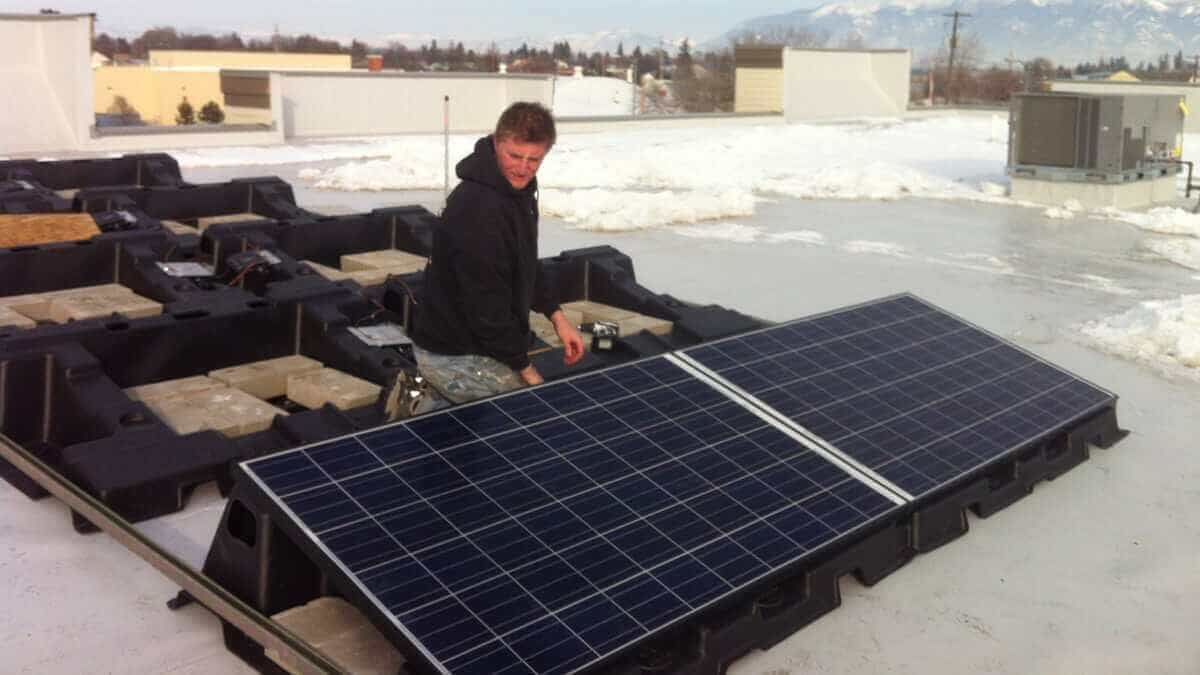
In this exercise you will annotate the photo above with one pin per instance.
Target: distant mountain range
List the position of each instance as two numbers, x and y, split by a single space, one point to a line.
1065 31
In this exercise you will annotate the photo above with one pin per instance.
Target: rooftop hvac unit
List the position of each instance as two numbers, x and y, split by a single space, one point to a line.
1092 137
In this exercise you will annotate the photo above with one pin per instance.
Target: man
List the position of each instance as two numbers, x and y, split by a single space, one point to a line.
471 328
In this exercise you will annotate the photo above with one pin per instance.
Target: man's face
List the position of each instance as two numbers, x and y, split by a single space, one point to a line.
519 161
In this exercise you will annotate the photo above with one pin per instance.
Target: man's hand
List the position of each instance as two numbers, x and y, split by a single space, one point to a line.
530 375
571 339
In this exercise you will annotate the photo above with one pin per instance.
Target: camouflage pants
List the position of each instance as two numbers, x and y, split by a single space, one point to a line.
466 377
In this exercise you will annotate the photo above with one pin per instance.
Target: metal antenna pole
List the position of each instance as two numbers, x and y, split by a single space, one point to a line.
446 139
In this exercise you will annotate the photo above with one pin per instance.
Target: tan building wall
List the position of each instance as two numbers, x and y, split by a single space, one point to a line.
758 90
183 58
153 92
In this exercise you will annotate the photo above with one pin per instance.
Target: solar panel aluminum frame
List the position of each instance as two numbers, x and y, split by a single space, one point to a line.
415 653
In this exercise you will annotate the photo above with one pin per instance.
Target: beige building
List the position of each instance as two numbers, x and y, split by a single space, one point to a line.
156 89
808 84
758 78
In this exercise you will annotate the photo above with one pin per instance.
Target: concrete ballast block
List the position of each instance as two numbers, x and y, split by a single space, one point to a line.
340 632
230 411
203 223
392 261
80 306
172 388
265 379
315 389
366 277
14 319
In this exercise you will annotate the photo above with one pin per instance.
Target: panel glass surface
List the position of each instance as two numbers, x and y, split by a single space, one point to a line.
540 531
905 389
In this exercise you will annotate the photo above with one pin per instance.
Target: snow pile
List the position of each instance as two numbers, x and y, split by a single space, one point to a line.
1162 220
983 262
749 234
715 173
877 248
592 96
1068 210
1105 284
1163 333
1182 252
611 210
284 154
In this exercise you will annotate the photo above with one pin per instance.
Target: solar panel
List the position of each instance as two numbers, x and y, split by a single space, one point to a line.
904 390
547 529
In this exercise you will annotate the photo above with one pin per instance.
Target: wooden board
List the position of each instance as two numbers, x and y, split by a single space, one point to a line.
30 229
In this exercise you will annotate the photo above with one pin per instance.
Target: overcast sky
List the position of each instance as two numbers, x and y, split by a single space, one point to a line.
467 20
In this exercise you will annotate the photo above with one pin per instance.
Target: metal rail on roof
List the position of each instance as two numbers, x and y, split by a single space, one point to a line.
298 655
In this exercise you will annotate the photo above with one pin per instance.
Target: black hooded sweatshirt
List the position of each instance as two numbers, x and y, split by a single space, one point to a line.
484 275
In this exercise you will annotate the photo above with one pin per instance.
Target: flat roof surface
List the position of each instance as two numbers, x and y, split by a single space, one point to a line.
1094 572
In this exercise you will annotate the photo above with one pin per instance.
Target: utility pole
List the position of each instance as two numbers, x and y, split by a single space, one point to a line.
953 47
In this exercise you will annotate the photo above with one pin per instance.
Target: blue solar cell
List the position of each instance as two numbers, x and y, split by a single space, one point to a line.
730 562
484 419
559 478
548 646
379 491
492 658
361 545
647 601
289 472
600 623
324 507
402 585
600 562
394 444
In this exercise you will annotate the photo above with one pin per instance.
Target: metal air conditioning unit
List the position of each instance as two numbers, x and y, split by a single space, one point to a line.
1094 138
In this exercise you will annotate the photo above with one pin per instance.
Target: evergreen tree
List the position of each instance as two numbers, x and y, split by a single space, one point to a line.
185 113
683 62
211 113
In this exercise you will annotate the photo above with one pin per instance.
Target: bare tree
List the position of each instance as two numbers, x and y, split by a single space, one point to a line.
968 55
853 40
787 36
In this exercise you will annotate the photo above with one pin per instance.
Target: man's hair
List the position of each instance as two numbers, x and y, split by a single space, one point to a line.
526 122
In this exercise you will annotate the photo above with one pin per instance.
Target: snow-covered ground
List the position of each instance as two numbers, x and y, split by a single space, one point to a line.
1096 572
713 182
